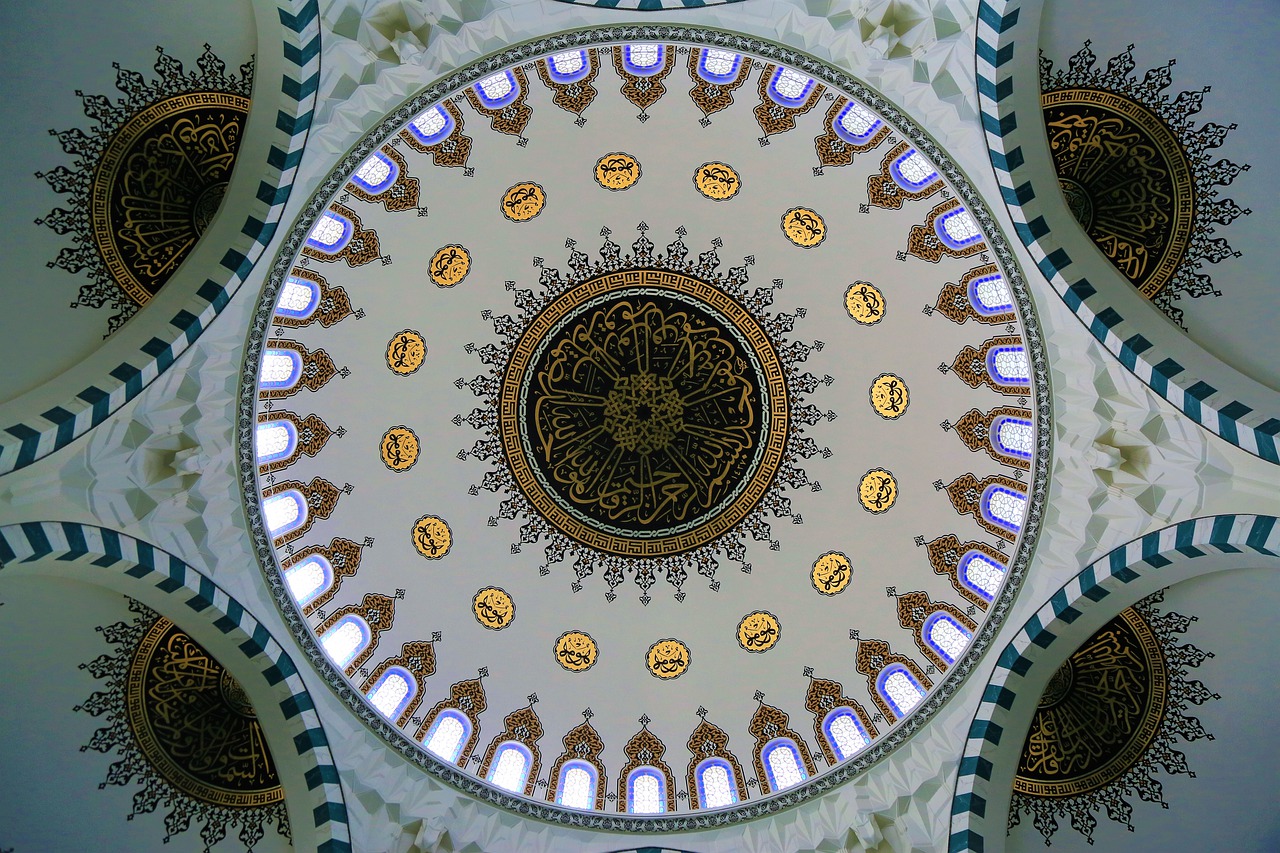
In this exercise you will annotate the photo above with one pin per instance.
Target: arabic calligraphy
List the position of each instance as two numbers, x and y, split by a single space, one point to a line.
864 303
523 201
804 227
668 659
617 171
449 266
759 631
493 608
831 573
889 396
717 181
576 651
877 490
399 448
432 537
406 352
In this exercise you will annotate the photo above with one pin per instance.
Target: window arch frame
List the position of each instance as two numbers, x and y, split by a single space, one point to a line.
411 682
295 373
366 634
883 677
963 573
393 173
299 313
296 523
496 764
445 131
467 732
326 569
926 633
660 63
734 785
766 753
592 774
784 100
842 711
335 248
646 770
291 445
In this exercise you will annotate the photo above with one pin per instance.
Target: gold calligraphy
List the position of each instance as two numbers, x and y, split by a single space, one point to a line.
717 181
759 631
668 659
864 302
576 651
804 227
831 573
877 491
406 352
399 448
432 537
523 201
617 171
889 396
449 266
493 608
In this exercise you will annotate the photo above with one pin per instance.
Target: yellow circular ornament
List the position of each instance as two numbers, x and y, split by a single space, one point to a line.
576 651
400 448
877 491
865 303
493 608
759 631
889 396
617 171
831 573
432 537
804 227
523 201
668 659
406 352
449 265
717 181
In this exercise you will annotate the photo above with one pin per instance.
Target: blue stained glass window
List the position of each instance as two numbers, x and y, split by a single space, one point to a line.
646 791
957 228
281 368
912 171
897 686
981 574
990 295
1013 436
644 60
432 126
346 639
856 124
1009 365
309 578
719 67
331 233
577 785
1004 507
782 764
946 636
298 298
717 785
448 734
284 512
394 691
376 173
275 440
498 91
510 767
568 67
789 88
845 733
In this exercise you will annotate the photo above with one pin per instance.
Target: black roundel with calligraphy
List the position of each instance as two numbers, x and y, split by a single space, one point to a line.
644 413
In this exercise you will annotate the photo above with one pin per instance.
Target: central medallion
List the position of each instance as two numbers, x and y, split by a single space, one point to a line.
644 413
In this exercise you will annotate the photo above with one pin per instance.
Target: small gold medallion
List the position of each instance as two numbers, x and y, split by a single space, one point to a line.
406 352
831 573
889 396
576 651
449 266
432 537
877 491
493 608
617 171
717 181
523 201
865 303
804 227
759 631
668 659
400 448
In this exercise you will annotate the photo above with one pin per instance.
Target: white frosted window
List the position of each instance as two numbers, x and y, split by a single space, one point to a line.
283 512
390 695
1012 364
374 171
1007 508
497 86
857 119
577 788
916 169
447 736
306 580
430 122
902 692
646 794
947 637
993 294
329 231
717 787
344 641
1015 436
296 297
961 227
791 85
718 62
272 441
644 55
784 766
846 735
983 574
569 62
278 368
510 769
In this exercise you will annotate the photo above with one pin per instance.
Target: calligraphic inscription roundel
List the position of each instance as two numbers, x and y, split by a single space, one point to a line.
644 413
576 651
831 573
759 631
877 490
449 266
804 227
399 448
717 181
523 201
194 724
864 302
668 659
406 352
493 608
432 537
1111 696
889 396
617 171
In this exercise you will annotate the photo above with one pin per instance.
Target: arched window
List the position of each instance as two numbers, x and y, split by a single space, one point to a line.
284 512
498 90
1009 365
298 298
1004 507
394 690
900 689
568 67
946 636
274 440
856 124
510 768
576 788
432 126
447 735
281 368
782 764
719 67
646 791
376 173
346 639
981 574
643 60
912 171
1013 436
845 733
331 233
790 88
717 786
990 295
309 578
958 228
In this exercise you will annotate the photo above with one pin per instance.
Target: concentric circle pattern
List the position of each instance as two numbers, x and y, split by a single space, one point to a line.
593 463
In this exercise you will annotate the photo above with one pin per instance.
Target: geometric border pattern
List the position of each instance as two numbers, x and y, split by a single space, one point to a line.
1236 422
454 81
67 541
24 443
1200 537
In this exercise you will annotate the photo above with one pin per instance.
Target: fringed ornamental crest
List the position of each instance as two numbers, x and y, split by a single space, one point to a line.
1138 175
1123 697
147 180
185 730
